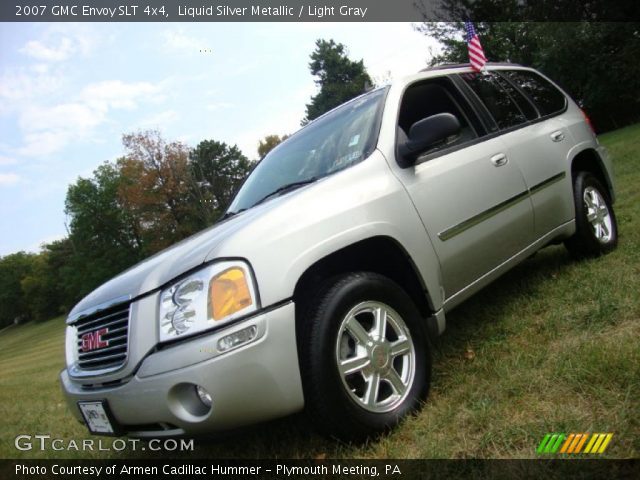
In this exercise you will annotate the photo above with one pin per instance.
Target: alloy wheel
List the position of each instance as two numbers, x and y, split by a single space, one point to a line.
597 214
375 356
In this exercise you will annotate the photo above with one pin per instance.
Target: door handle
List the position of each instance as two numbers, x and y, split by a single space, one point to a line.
499 159
557 136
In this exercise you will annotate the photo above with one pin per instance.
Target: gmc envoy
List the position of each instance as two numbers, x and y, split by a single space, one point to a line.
339 258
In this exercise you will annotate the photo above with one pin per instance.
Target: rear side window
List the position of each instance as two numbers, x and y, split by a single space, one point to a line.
504 110
547 98
523 103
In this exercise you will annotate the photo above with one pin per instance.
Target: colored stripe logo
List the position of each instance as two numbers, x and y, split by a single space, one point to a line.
574 443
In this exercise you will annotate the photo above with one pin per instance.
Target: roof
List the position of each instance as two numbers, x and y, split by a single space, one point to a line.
446 66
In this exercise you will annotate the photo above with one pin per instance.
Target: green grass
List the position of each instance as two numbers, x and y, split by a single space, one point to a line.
553 346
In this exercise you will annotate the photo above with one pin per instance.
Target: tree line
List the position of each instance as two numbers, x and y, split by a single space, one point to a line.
160 192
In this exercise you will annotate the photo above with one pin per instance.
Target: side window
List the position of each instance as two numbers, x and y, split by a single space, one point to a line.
547 98
433 96
523 103
504 110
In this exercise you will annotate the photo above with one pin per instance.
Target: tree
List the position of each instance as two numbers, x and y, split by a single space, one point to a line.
218 171
269 143
40 289
528 10
157 194
13 302
593 61
501 41
104 235
40 286
97 214
62 268
339 78
156 189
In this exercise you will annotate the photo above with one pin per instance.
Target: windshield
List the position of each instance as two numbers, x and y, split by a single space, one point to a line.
334 142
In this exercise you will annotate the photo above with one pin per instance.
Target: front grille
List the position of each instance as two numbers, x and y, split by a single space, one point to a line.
102 338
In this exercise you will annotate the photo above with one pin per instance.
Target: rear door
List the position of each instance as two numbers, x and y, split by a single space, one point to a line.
541 146
542 149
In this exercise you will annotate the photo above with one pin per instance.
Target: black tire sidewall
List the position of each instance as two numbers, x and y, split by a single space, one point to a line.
327 399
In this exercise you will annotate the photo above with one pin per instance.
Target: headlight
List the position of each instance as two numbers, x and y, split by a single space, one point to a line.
207 298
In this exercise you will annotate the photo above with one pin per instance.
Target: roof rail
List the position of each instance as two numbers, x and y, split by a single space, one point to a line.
445 66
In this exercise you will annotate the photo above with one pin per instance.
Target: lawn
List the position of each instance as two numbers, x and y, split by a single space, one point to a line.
553 346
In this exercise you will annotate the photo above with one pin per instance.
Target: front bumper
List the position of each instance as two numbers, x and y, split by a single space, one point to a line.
256 382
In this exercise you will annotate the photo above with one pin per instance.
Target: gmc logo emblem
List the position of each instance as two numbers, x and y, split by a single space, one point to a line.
93 340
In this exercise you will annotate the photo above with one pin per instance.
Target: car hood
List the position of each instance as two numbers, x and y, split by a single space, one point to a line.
159 269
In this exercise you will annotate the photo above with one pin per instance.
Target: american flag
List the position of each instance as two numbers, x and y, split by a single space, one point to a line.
476 54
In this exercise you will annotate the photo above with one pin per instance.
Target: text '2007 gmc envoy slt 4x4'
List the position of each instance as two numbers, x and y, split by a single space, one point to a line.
339 258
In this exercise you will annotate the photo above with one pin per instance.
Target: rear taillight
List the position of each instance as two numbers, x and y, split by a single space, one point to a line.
588 120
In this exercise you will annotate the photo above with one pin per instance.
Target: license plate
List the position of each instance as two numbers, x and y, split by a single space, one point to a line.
96 417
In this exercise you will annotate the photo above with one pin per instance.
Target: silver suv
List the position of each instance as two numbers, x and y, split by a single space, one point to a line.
339 258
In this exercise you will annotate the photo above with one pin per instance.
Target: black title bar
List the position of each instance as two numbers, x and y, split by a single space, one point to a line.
315 11
320 469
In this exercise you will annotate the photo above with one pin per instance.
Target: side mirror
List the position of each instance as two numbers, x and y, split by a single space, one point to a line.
426 133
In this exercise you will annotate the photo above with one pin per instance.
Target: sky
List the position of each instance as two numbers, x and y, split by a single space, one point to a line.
68 92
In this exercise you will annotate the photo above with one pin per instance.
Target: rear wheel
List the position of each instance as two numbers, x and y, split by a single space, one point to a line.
596 226
365 357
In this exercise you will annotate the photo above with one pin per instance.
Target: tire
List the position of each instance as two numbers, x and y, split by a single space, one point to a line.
596 225
341 327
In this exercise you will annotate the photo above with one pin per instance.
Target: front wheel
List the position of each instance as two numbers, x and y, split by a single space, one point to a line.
596 226
365 358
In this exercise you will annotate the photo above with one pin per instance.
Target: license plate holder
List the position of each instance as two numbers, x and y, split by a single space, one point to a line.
98 418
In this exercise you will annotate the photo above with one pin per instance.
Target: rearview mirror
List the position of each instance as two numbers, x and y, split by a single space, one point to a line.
426 133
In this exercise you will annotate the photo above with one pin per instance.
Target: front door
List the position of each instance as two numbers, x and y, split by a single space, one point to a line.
475 206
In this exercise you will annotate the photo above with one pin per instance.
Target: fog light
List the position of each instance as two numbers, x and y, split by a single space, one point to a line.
237 339
204 396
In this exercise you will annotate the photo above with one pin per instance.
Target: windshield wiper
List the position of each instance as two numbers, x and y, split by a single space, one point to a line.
286 188
230 214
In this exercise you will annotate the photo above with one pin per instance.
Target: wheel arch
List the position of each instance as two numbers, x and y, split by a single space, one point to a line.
588 160
379 254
